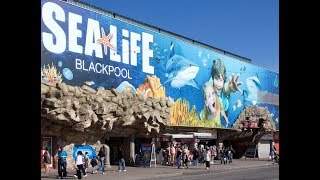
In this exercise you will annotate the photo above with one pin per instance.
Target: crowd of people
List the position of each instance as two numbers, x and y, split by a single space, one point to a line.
177 155
181 155
82 162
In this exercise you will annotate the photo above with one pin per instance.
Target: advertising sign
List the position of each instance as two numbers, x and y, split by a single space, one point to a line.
80 47
145 158
84 149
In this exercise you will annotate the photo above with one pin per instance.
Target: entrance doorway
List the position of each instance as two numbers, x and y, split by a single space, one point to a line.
207 142
114 144
139 141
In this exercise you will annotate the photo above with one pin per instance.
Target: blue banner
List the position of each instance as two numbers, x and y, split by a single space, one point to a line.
84 149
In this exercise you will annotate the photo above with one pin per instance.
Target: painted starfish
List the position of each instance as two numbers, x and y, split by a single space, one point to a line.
105 41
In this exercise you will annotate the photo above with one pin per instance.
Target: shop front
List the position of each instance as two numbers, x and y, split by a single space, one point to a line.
180 140
205 138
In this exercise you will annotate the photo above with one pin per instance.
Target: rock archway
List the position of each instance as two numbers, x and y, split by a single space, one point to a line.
252 123
254 117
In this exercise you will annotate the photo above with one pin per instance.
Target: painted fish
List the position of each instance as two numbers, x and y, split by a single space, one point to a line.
124 85
254 90
89 83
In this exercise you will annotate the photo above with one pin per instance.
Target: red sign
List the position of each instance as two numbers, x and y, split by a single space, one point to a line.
252 125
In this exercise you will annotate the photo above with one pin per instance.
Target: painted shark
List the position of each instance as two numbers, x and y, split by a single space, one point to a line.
180 71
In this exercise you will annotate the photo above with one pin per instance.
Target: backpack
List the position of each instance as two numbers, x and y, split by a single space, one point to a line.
196 153
178 153
93 162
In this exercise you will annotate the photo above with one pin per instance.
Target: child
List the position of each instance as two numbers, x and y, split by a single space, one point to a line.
221 87
212 106
94 164
46 160
86 160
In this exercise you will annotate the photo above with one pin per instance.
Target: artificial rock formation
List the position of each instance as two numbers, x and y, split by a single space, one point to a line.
258 116
252 123
85 115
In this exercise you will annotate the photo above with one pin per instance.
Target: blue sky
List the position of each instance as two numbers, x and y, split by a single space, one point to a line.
248 28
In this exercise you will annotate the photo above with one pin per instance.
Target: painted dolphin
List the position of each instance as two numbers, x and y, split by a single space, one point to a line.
180 71
255 94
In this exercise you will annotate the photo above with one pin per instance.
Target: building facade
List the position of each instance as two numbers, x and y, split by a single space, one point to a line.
108 80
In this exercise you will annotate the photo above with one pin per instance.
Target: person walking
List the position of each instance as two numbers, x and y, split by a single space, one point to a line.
94 164
102 156
86 160
172 155
274 156
222 156
196 156
178 157
80 165
164 156
207 158
62 162
230 154
46 160
185 154
121 160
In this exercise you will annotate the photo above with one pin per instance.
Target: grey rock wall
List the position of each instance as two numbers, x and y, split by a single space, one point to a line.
85 115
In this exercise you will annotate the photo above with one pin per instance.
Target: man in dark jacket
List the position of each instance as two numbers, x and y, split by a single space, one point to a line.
222 156
102 156
121 160
196 156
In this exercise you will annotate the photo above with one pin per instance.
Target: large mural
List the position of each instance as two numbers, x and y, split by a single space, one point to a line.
82 47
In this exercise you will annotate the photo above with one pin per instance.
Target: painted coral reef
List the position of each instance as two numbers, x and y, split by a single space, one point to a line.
49 74
180 115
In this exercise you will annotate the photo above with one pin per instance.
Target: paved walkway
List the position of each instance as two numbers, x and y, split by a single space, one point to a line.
163 171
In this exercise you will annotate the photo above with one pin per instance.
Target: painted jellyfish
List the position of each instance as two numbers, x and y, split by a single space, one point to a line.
67 73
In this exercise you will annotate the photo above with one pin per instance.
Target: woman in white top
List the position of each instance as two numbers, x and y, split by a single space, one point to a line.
79 165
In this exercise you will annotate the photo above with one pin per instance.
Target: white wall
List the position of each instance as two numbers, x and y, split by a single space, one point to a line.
263 149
